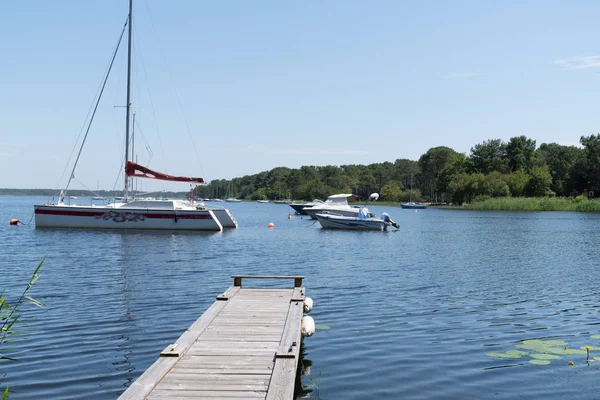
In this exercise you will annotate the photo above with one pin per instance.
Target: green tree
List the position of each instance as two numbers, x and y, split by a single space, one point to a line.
431 164
539 183
591 145
489 156
561 161
519 153
494 185
458 164
517 181
391 191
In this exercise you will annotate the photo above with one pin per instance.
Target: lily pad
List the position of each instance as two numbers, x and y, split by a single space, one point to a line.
539 362
544 356
563 351
591 348
540 346
509 354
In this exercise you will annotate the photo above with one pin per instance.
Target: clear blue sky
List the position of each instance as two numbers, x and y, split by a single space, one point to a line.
231 88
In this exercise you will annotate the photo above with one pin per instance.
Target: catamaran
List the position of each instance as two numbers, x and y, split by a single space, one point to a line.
131 213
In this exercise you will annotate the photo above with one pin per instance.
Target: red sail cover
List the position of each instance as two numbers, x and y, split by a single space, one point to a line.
138 171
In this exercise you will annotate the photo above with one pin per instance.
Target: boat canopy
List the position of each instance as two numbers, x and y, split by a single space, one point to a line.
138 171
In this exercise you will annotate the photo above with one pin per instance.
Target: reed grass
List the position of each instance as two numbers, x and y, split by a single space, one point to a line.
576 204
10 318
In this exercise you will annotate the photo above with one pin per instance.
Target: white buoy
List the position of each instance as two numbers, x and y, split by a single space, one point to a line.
307 326
308 304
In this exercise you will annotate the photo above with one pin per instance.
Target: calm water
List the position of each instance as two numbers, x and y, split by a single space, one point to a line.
410 314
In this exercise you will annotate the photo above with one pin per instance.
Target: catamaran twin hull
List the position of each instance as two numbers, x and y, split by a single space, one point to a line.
56 216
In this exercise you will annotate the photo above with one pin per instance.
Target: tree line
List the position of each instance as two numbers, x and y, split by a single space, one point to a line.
493 168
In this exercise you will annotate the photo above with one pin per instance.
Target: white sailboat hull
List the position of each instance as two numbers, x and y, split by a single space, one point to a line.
63 216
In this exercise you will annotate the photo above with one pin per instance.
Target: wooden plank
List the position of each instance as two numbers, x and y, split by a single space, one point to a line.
191 385
221 379
298 294
160 394
253 345
142 386
290 340
281 387
228 294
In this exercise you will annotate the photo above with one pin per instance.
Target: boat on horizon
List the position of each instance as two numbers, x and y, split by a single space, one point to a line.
131 213
413 206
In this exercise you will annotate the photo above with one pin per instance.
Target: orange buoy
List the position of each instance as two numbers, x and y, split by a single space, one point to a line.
289 216
15 221
271 225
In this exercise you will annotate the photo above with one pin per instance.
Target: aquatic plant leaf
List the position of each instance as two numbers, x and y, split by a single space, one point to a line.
322 327
540 346
563 351
517 352
545 356
539 362
591 348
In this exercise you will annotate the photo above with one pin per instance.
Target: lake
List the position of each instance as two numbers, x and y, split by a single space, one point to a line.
412 314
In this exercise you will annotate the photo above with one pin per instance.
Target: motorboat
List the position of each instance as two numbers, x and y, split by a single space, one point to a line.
332 221
363 221
335 204
299 207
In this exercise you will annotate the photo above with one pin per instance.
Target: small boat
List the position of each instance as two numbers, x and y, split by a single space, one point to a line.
299 207
262 201
335 204
364 221
332 221
97 198
413 206
232 200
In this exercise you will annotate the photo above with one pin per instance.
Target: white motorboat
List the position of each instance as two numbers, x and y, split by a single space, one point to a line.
363 221
335 204
131 213
331 221
299 207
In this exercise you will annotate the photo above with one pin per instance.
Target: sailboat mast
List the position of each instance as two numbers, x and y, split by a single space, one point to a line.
128 106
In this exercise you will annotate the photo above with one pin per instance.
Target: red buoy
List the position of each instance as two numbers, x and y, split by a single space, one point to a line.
15 221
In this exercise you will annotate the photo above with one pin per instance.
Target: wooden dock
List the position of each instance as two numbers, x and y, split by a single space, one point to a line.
245 346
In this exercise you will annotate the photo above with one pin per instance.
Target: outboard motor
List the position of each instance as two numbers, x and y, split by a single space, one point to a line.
388 220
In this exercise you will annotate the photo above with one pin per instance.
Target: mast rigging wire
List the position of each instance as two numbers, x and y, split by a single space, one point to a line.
96 106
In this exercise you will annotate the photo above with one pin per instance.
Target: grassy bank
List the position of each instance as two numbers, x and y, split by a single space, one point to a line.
580 204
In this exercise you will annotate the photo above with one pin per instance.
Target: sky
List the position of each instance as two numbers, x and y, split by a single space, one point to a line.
232 88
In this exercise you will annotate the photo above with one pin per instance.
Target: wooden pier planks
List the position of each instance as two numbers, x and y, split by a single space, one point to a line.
246 345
